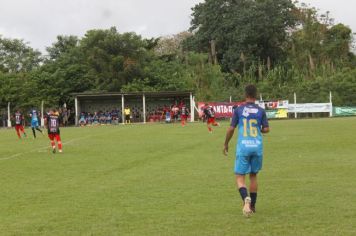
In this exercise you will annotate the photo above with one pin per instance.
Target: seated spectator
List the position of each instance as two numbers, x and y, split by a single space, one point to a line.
168 116
108 118
95 119
82 120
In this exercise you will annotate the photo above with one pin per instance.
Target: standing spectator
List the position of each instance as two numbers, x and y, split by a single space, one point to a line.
65 117
4 119
175 111
127 113
184 114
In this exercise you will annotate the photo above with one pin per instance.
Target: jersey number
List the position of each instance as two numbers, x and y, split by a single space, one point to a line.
252 132
53 123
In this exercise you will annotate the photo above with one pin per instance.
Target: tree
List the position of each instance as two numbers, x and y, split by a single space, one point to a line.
16 56
256 29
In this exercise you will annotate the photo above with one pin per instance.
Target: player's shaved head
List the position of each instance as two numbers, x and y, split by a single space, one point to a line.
251 91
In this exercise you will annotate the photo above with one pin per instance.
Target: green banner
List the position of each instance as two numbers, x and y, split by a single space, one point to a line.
344 111
277 114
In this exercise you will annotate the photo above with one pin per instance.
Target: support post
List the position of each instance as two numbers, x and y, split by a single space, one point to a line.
295 106
76 111
144 108
42 114
192 113
122 109
331 104
8 116
261 98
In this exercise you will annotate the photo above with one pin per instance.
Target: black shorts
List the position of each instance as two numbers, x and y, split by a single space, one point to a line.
127 117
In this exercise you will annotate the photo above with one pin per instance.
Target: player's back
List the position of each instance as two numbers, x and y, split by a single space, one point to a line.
18 118
251 119
34 115
53 124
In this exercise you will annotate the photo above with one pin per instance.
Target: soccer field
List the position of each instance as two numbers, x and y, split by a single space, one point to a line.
169 180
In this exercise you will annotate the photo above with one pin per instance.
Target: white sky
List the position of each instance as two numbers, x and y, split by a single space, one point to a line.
40 21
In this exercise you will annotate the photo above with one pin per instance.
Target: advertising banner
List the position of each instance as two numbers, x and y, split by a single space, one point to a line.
222 109
275 109
310 108
344 111
277 114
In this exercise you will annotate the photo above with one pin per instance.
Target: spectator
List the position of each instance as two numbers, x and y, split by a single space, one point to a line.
127 113
82 120
65 117
4 119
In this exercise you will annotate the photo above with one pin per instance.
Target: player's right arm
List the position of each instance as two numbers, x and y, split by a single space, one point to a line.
230 132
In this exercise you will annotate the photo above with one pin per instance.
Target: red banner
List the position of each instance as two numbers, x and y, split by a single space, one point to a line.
222 109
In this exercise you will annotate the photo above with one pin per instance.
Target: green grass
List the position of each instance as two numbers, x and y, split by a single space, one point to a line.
169 180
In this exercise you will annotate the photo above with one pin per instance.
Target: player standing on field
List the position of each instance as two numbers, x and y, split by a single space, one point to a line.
34 122
209 113
252 122
52 121
19 123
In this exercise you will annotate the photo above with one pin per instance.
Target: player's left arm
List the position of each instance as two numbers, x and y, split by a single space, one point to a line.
265 124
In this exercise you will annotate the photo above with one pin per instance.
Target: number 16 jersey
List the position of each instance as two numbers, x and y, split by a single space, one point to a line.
250 119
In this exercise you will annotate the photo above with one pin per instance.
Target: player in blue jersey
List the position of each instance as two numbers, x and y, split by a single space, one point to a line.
34 122
251 121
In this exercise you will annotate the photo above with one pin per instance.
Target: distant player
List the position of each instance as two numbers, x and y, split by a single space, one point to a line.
209 114
19 124
52 122
252 122
184 113
34 122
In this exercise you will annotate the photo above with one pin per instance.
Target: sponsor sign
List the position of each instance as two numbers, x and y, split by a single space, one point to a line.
222 109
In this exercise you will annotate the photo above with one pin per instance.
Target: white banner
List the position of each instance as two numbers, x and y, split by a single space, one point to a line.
310 108
272 105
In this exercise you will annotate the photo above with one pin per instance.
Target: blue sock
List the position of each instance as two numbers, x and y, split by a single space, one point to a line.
253 199
243 193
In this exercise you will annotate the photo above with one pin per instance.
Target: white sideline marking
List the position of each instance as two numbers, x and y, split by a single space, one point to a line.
40 149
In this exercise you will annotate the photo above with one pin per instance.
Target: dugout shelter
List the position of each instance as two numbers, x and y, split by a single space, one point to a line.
142 104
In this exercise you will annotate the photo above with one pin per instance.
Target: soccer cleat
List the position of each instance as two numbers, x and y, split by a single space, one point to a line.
253 209
60 151
54 151
246 210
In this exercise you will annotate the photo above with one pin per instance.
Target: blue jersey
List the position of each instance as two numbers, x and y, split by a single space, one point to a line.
250 119
34 115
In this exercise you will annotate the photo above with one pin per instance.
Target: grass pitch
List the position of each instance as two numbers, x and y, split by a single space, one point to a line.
169 180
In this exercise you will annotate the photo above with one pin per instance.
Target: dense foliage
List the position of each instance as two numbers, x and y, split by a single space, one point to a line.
281 46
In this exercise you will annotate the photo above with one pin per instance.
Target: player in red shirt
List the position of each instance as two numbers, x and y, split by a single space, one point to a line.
209 113
184 113
19 120
52 121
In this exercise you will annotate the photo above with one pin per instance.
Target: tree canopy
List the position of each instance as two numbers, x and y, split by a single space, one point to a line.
281 46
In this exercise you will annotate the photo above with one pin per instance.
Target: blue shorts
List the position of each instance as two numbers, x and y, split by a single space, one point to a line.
248 163
34 123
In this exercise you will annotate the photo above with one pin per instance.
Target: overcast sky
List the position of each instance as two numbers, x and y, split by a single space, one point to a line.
40 21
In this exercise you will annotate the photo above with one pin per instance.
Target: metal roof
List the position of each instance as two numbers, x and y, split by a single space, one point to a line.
130 94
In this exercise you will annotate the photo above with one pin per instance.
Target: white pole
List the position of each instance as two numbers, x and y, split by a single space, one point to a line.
76 110
230 99
42 116
295 106
122 109
192 113
144 108
261 98
8 116
331 104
